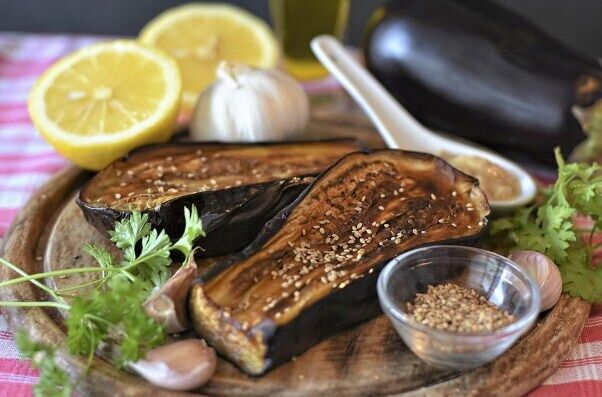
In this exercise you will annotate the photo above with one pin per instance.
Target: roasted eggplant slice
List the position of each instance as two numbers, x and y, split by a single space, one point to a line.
312 270
235 187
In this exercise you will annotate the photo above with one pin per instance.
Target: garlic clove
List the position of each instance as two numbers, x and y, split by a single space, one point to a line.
546 275
167 305
182 365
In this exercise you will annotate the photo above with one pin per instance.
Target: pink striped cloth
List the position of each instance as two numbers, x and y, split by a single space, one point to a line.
26 162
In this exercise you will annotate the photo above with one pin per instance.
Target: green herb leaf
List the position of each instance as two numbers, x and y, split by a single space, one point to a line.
548 228
128 231
193 229
53 382
579 279
117 315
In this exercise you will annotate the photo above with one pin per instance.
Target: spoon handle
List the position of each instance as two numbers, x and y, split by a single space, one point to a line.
398 128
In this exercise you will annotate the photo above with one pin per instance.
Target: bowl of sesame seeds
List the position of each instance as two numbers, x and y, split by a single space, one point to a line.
457 307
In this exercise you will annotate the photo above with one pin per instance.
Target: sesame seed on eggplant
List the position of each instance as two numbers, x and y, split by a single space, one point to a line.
235 187
312 270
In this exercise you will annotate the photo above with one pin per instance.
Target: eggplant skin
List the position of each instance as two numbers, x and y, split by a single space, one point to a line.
474 69
312 270
233 208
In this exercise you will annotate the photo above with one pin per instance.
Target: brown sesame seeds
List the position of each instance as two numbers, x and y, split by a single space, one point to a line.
450 307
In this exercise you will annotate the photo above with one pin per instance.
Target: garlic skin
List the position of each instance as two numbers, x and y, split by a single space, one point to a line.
245 104
167 305
183 365
546 275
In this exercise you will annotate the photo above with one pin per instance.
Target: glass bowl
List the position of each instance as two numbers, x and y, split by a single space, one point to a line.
497 278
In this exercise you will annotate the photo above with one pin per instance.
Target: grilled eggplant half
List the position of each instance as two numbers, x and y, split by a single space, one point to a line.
312 270
235 187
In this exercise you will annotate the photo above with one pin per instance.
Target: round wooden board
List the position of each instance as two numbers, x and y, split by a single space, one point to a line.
369 359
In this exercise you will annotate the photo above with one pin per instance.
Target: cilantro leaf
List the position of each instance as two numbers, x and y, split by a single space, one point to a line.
53 382
579 278
548 228
128 231
117 315
193 229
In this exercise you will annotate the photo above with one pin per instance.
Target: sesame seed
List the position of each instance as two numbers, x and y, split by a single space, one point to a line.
380 207
454 225
117 196
454 193
415 231
433 196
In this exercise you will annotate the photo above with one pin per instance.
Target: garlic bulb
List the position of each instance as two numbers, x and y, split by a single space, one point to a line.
182 365
247 104
544 271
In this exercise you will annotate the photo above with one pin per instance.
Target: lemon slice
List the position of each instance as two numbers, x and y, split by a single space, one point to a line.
100 102
199 36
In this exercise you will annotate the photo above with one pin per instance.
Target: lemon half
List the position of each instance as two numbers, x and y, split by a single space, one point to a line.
200 35
100 102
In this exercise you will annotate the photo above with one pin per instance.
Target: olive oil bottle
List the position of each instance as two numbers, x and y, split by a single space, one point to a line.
298 21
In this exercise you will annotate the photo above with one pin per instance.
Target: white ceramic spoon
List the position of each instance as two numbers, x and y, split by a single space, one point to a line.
398 128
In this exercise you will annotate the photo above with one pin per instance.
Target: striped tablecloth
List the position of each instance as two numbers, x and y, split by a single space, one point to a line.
26 162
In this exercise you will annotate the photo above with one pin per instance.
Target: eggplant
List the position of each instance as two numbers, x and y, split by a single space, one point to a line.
474 69
312 270
235 187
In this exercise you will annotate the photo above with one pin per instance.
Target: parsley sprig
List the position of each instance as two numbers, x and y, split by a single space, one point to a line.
53 382
109 308
548 228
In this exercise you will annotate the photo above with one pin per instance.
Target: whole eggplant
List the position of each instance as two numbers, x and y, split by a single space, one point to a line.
474 69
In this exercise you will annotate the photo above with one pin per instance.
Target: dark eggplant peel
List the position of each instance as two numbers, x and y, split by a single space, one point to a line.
312 270
235 187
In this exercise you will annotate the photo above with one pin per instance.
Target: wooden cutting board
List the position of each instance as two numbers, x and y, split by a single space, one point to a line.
368 359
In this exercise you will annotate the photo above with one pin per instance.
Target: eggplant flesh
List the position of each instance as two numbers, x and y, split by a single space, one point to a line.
235 187
312 270
474 69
